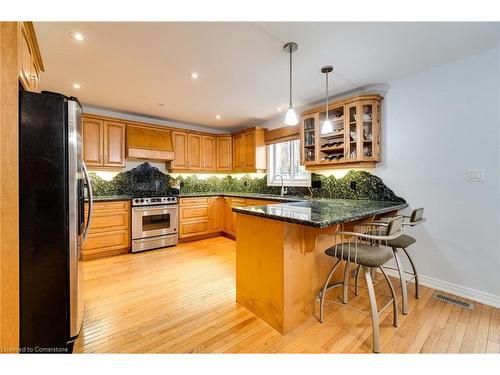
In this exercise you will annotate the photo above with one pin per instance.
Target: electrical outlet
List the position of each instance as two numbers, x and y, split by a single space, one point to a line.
475 175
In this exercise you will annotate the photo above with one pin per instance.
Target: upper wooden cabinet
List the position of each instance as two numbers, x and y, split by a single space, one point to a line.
355 139
224 154
179 139
194 153
30 60
249 151
103 143
209 153
201 152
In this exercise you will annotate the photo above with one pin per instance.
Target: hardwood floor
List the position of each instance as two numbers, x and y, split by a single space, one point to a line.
182 300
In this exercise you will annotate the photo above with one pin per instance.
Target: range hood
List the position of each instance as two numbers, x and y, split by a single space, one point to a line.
149 143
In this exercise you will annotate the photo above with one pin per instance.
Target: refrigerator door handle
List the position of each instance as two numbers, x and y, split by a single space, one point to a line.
91 201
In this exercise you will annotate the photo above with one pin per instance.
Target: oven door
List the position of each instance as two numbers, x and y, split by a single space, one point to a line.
154 221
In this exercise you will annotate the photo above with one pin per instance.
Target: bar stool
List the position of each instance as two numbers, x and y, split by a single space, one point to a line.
402 242
363 249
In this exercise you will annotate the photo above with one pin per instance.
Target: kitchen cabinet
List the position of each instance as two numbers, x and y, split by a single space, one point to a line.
30 61
194 217
249 151
103 143
109 232
224 154
355 139
194 152
202 216
179 139
208 152
216 214
237 152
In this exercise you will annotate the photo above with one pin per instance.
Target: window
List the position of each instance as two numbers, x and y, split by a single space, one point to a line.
284 160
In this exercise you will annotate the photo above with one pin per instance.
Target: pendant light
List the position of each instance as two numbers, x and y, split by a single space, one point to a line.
327 125
291 118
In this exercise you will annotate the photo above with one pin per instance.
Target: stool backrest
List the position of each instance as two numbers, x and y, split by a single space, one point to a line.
394 225
417 215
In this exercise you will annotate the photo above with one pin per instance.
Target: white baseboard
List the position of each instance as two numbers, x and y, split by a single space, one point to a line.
458 290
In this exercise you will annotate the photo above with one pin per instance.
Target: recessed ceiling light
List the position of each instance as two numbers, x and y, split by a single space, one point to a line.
77 36
76 86
279 109
217 117
194 75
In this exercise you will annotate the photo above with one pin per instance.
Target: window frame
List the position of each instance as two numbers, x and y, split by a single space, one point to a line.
271 171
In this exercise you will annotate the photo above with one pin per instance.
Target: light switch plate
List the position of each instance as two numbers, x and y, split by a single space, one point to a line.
475 175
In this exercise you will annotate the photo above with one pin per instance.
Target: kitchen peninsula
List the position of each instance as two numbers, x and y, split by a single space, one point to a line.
279 270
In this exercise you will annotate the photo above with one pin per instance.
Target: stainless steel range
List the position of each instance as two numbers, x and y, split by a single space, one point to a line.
154 222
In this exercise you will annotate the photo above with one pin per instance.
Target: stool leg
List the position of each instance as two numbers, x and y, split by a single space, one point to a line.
402 280
417 294
323 291
394 300
356 282
374 310
347 268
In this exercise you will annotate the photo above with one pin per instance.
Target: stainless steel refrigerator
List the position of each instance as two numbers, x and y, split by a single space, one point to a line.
53 181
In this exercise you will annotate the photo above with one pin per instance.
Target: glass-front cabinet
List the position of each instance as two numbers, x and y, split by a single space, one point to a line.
353 139
308 139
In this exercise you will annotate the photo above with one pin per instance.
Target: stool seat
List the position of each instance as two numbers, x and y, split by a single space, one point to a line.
402 241
368 256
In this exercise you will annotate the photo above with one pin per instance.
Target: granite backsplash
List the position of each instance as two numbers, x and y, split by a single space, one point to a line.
146 179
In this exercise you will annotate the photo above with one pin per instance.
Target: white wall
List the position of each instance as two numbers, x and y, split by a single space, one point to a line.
436 124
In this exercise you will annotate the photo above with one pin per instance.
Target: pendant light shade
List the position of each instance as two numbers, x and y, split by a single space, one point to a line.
327 126
291 117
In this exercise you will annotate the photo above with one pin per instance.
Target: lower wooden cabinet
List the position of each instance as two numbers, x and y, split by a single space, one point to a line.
204 216
194 217
109 232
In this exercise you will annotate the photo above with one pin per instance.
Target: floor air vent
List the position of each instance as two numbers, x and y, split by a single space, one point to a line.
453 301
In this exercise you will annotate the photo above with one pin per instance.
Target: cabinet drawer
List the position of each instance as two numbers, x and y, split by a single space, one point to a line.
105 241
110 206
194 201
194 212
194 228
109 220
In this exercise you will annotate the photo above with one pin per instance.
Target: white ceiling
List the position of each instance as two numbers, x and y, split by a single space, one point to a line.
132 66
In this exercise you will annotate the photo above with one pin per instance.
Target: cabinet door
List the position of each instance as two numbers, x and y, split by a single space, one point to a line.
308 139
180 149
208 153
369 129
224 155
92 142
194 151
353 141
249 150
114 144
216 214
238 152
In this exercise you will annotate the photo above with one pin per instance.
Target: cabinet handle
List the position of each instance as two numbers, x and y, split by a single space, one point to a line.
100 158
105 158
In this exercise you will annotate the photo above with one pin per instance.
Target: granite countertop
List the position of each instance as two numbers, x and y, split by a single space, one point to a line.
322 213
111 198
286 198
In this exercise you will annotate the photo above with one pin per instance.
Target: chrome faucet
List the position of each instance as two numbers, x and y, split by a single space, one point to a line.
283 188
